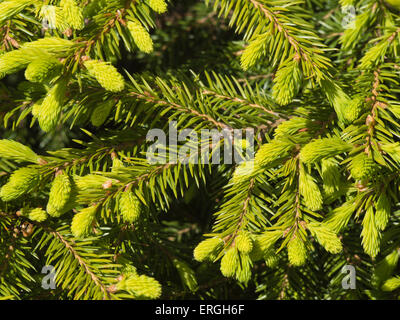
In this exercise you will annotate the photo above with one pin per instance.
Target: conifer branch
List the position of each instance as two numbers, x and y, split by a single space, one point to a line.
82 263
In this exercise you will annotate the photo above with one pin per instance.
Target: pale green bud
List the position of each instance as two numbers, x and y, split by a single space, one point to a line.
50 110
206 248
382 211
83 221
117 164
101 112
21 182
326 237
243 242
51 45
309 190
140 36
106 74
297 251
54 17
391 284
13 61
252 52
229 262
13 150
272 151
336 96
257 253
37 214
73 14
12 7
36 107
287 82
362 166
91 182
158 6
320 149
143 286
41 70
330 175
243 270
130 206
340 216
60 194
370 234
291 126
267 239
129 270
244 172
354 109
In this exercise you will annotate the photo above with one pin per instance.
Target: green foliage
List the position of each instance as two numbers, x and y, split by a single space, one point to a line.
82 85
309 191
